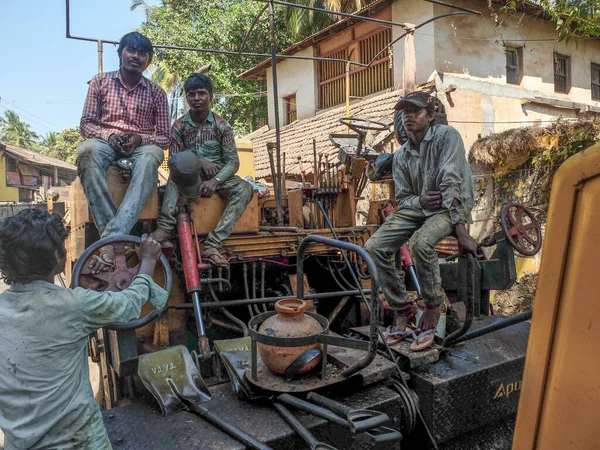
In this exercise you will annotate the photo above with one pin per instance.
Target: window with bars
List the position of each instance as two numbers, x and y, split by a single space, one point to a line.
512 66
562 75
363 80
11 164
595 81
290 109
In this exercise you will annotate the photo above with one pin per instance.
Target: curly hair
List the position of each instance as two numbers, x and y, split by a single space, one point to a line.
29 241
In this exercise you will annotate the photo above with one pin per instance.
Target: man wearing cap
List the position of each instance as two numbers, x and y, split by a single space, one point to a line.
435 196
203 162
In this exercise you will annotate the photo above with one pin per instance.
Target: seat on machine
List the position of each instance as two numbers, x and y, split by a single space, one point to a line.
206 213
117 187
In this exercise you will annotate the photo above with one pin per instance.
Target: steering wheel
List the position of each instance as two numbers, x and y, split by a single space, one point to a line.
126 267
522 230
357 124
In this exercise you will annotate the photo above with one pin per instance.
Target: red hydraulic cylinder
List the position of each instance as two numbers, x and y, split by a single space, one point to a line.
188 252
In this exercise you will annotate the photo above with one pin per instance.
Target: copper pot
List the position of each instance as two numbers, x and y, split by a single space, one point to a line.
289 322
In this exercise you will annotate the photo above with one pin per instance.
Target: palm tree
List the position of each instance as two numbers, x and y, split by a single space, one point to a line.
171 83
302 23
51 139
14 131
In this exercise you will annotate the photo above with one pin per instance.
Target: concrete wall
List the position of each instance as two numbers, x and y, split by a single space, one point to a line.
478 108
294 76
7 193
415 12
475 48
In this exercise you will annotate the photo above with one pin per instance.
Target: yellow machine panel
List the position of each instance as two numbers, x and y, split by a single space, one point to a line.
206 213
561 387
245 153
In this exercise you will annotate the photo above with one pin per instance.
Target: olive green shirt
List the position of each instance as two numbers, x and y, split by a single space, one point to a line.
46 400
213 140
440 164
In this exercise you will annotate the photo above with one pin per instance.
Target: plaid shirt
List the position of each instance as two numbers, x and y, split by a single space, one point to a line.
213 140
111 108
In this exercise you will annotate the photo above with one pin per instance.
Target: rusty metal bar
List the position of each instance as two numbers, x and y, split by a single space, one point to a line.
252 301
277 182
372 305
201 50
254 22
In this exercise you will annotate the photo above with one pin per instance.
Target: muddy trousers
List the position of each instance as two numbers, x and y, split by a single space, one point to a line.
238 192
94 156
426 232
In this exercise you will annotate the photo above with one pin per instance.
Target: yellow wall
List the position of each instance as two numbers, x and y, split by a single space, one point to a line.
7 193
244 149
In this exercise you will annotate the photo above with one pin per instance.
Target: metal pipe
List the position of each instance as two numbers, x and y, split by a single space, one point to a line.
373 305
290 229
240 323
246 291
254 22
494 327
334 13
100 68
263 270
201 50
277 182
243 302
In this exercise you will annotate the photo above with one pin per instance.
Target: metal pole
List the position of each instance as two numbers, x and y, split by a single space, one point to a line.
100 69
277 183
251 301
494 327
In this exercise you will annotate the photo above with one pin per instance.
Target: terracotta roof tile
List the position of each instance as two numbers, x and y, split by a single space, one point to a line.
36 159
297 137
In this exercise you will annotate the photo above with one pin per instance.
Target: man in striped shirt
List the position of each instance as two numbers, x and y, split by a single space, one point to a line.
125 116
203 162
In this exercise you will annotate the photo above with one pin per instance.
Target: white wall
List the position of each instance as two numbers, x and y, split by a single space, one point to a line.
415 12
474 46
294 76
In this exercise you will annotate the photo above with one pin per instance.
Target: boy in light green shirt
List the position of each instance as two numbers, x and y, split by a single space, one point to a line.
46 399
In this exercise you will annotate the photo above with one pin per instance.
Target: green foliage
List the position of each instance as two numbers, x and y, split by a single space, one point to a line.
62 145
575 19
221 25
16 132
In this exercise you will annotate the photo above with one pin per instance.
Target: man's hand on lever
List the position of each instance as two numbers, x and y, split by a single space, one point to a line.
431 200
208 188
466 244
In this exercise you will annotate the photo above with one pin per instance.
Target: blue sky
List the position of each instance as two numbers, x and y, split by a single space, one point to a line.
44 75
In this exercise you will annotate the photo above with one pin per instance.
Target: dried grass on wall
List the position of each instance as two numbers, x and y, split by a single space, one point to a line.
510 149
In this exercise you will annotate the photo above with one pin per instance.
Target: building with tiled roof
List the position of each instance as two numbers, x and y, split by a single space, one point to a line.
297 137
24 171
491 73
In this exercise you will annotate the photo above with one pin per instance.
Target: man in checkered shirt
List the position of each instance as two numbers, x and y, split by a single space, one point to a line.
125 116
